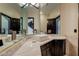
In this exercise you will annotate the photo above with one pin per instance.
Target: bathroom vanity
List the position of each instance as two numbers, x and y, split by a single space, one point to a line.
38 45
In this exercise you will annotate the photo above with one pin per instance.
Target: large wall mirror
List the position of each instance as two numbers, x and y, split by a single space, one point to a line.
9 24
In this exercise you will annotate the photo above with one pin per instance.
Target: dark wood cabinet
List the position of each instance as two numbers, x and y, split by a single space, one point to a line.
45 50
59 47
54 48
1 43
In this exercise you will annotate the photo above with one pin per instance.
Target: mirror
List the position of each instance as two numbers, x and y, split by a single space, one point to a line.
45 19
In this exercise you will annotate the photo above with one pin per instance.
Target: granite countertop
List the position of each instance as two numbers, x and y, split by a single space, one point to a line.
31 47
7 42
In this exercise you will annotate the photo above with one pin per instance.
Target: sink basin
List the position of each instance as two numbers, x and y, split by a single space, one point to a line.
40 35
34 41
42 39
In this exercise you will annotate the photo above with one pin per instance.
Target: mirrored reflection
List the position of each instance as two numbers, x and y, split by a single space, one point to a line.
46 18
40 18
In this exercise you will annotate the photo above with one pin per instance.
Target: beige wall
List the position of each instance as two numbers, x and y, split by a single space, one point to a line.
54 13
69 22
11 9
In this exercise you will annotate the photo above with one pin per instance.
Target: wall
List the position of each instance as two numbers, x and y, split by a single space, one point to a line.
69 22
11 9
54 13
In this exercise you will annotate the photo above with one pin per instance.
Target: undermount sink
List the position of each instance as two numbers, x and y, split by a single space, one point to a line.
40 35
39 38
42 39
34 41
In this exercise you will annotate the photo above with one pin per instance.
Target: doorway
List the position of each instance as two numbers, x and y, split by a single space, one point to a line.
30 27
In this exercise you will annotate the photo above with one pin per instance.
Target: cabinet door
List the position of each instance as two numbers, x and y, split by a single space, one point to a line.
52 48
45 50
59 47
44 53
64 47
49 49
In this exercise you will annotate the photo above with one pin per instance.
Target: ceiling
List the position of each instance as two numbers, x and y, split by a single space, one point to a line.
47 8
